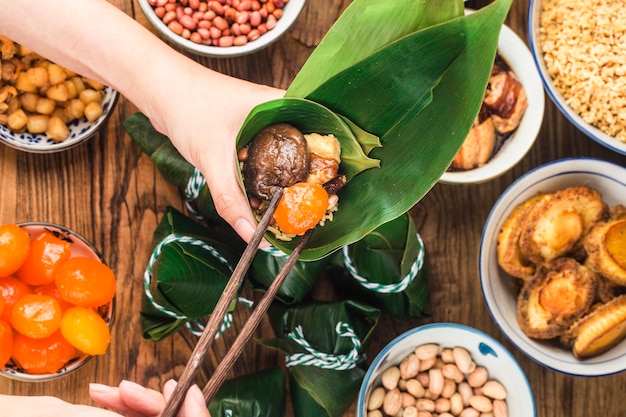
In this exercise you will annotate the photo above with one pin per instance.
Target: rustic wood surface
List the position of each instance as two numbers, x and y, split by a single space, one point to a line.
111 193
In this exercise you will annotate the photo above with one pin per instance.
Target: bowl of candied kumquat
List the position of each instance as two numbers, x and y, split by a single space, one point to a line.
57 301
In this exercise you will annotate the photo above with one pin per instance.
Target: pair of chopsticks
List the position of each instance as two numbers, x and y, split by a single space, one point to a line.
217 317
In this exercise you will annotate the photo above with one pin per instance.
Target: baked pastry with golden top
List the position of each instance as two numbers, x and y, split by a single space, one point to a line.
561 292
598 331
510 258
555 225
606 247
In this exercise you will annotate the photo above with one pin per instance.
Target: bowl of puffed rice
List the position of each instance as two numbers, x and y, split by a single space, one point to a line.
45 107
577 49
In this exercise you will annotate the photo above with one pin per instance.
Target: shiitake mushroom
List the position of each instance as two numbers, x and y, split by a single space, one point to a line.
277 157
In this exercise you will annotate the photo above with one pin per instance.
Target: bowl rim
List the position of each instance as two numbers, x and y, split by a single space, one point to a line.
512 151
444 326
81 359
555 96
291 12
83 136
534 349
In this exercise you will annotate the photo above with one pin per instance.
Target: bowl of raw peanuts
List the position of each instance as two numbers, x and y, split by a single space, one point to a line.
57 301
45 107
221 28
445 370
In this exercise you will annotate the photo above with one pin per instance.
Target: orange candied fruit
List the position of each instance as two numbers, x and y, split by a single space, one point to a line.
11 290
47 252
85 282
36 315
6 343
14 247
44 355
301 208
84 329
52 290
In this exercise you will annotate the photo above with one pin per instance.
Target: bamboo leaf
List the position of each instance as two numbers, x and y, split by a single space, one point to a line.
314 390
308 117
419 139
172 166
363 28
247 395
187 275
389 268
265 266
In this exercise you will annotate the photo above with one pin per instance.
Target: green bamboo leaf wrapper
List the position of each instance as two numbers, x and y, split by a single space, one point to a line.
260 394
316 391
299 281
363 28
186 279
386 259
415 84
419 95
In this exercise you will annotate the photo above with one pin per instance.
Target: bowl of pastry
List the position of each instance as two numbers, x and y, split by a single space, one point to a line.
509 120
445 369
553 265
577 50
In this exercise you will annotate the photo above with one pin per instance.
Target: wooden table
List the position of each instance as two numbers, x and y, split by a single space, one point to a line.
111 193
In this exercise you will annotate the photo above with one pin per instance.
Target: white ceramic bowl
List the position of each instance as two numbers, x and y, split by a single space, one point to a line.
291 11
594 133
498 289
516 54
80 247
484 349
80 131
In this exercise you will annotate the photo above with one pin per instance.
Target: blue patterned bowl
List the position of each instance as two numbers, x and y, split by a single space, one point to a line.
534 23
80 131
484 350
499 289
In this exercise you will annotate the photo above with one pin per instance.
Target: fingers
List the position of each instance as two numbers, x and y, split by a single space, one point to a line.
229 199
129 398
133 400
194 404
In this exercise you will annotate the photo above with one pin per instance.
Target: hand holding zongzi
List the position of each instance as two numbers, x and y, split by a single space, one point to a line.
200 110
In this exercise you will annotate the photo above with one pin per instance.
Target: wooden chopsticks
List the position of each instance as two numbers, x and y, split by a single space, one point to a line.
217 317
253 322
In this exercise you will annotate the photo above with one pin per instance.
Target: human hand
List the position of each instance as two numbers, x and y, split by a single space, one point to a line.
202 113
129 400
133 400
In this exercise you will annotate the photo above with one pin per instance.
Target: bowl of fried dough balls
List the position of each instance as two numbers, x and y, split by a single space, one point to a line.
553 265
45 107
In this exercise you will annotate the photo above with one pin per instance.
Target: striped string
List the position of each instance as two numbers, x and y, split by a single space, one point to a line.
196 327
172 238
194 186
321 359
274 251
388 288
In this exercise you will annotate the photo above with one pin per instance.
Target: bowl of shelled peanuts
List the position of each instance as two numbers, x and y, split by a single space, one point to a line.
45 107
57 301
221 28
552 266
445 369
578 48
